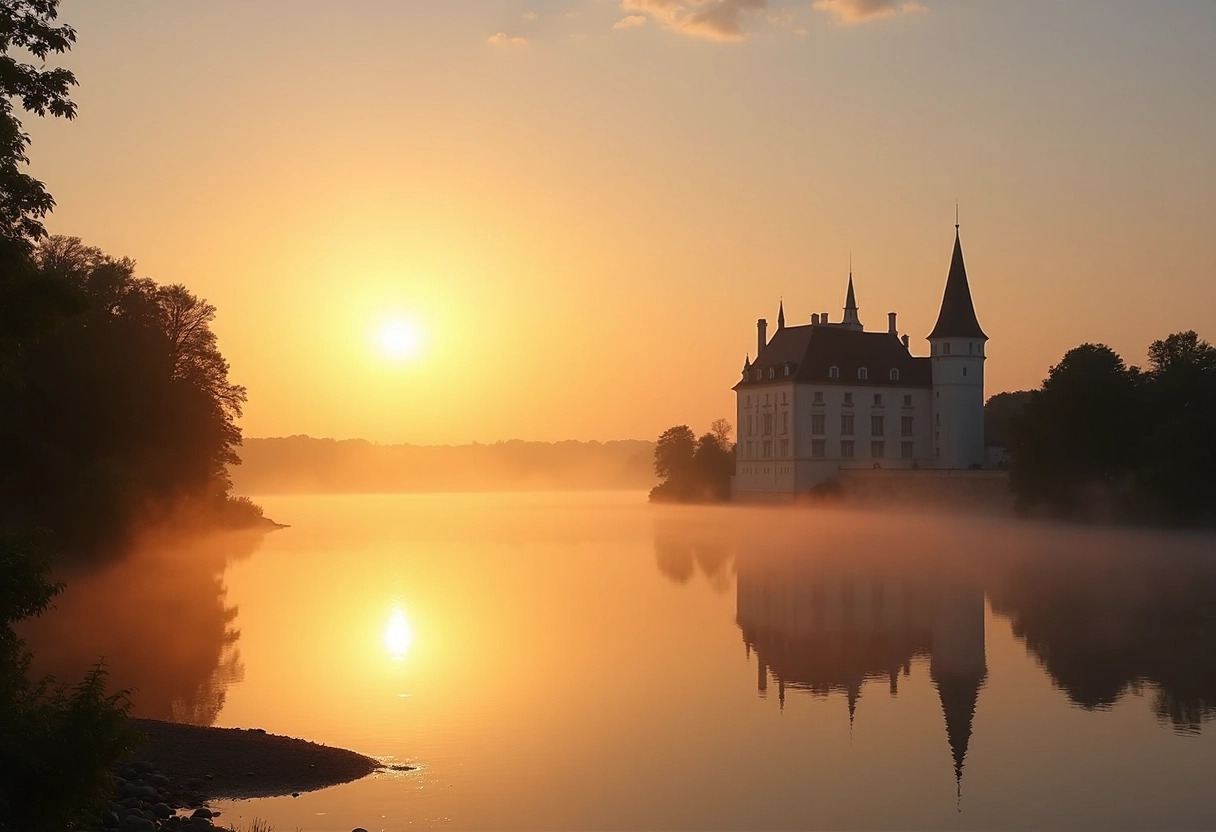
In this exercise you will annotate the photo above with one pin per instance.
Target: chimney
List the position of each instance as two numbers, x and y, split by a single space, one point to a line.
891 323
815 318
761 336
904 340
823 317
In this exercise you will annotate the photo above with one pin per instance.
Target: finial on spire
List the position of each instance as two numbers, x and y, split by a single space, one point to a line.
956 216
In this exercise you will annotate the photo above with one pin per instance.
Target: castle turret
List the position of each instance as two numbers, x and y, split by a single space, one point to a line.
957 354
851 319
958 667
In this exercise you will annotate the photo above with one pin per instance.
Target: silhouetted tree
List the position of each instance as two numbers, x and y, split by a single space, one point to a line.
999 413
1102 436
694 469
1072 445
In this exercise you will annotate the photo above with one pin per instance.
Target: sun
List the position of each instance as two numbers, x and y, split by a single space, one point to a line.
398 635
400 339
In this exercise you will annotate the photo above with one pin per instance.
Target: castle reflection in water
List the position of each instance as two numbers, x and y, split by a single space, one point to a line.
827 607
827 626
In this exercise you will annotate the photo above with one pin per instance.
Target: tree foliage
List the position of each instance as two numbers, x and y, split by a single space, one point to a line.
121 410
1103 438
694 469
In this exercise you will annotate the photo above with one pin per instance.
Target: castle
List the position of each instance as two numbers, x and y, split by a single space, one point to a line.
827 396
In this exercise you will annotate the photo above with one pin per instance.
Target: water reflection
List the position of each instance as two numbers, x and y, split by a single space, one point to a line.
1105 614
159 617
828 624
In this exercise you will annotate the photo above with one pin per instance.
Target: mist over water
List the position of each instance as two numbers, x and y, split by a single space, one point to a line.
591 661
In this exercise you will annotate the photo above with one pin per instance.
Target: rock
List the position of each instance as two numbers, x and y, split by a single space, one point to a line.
134 823
295 794
162 810
208 776
159 780
199 824
202 813
358 829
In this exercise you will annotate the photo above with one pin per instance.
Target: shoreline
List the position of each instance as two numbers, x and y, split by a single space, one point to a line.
172 777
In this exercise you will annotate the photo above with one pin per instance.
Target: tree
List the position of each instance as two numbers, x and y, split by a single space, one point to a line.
722 430
1072 445
999 413
28 25
674 451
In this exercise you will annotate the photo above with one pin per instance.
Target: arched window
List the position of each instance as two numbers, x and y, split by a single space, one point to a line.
863 374
833 372
893 375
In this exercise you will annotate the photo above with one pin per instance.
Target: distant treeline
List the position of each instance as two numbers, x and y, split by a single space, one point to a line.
304 464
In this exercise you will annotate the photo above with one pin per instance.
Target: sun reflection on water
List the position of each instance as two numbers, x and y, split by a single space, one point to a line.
398 635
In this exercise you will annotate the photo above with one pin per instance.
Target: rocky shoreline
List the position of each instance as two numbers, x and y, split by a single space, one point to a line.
182 767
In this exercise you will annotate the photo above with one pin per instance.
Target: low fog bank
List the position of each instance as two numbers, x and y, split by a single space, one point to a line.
305 465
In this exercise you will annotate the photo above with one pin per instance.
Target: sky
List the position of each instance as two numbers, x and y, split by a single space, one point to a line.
569 215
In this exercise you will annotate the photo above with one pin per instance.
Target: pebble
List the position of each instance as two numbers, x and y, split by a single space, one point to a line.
202 813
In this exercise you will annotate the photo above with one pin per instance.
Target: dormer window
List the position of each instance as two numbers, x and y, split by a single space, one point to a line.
833 372
785 371
863 374
893 375
772 372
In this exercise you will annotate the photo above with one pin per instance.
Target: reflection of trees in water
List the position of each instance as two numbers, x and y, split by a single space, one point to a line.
1104 612
160 619
1108 623
681 549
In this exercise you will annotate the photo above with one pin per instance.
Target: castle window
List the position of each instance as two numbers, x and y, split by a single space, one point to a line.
749 425
946 348
833 372
964 371
970 347
768 448
818 399
908 400
905 426
785 447
783 399
905 450
767 424
818 423
937 419
772 372
863 374
876 426
846 424
893 375
817 448
878 399
785 370
785 421
846 448
877 450
848 399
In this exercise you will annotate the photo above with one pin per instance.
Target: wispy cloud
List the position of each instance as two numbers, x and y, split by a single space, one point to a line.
503 39
530 15
860 11
630 22
720 20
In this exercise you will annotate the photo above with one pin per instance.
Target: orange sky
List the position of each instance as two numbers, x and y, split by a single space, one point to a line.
585 205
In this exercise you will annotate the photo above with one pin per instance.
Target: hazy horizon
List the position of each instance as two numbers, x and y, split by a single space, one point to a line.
576 211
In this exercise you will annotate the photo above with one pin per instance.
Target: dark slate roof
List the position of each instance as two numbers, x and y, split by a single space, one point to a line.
957 317
810 350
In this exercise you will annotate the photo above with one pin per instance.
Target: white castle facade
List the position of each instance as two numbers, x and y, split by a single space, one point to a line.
825 396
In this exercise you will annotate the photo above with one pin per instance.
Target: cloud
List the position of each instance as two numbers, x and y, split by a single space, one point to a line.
859 11
503 39
530 15
719 20
630 22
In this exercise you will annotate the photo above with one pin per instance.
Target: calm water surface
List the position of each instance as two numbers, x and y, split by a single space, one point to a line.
590 662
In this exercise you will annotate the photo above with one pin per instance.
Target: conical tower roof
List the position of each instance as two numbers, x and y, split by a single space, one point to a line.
958 694
957 316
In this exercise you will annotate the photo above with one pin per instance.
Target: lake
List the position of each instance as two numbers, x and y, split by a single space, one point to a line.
588 661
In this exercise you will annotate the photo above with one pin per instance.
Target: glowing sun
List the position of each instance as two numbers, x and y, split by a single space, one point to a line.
400 340
398 635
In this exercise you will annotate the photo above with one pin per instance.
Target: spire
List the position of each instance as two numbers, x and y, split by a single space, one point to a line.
957 316
850 302
781 314
747 365
958 694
